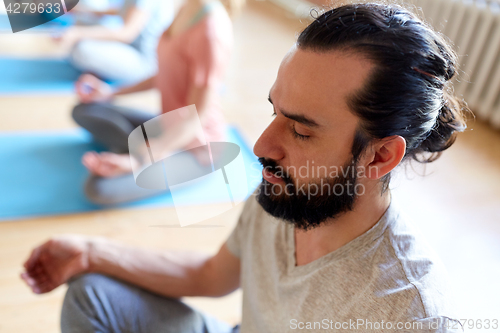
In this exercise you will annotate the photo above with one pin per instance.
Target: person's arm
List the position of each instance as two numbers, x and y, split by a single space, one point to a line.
147 84
172 274
112 11
90 89
84 9
134 21
167 273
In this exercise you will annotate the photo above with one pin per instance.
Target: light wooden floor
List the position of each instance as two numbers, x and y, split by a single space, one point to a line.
456 206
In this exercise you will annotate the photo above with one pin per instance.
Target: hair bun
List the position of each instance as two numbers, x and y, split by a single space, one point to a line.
449 122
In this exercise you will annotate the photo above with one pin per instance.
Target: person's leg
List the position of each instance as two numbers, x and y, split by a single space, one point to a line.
112 60
97 303
116 190
180 167
109 124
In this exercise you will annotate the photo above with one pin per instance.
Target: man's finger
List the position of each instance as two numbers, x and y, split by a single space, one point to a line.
35 254
30 281
33 282
43 288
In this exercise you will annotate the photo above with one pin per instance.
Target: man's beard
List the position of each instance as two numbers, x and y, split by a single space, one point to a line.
309 205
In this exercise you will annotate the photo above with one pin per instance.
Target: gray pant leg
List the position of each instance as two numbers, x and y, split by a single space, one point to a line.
97 303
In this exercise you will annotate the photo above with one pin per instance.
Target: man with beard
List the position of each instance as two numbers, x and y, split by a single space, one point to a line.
364 88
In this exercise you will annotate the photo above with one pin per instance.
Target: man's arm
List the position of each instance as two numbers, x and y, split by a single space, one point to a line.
172 274
166 273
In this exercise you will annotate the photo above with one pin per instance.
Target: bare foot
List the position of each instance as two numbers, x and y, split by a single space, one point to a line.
108 164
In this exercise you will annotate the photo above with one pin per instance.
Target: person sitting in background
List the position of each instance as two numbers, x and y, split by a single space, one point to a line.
126 54
322 246
193 54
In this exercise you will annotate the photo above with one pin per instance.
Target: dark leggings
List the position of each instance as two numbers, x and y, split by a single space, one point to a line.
111 125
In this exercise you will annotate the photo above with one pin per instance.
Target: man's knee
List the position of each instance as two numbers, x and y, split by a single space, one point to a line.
82 306
99 303
85 292
78 287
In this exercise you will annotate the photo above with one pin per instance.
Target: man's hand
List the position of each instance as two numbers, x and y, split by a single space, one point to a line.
90 89
55 262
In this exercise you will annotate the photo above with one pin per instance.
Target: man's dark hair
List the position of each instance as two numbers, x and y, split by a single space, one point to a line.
408 92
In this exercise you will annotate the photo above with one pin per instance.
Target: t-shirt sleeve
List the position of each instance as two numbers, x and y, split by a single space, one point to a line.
235 242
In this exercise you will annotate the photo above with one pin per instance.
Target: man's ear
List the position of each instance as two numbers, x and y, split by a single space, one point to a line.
385 156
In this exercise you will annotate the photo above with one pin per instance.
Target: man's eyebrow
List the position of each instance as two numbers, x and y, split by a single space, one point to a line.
298 117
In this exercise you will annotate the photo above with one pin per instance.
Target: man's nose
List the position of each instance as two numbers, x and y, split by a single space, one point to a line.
269 145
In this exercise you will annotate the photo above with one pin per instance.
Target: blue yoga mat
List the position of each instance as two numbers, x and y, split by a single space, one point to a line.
60 23
41 174
28 76
64 22
36 76
33 75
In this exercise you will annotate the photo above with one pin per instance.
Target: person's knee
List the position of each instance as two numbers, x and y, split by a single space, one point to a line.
79 311
82 53
85 114
79 286
97 303
77 295
93 192
82 290
96 193
79 111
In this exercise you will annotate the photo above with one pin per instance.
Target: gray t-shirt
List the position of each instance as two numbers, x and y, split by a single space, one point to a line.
161 15
386 280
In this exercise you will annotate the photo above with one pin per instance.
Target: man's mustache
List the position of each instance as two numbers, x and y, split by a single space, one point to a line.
272 166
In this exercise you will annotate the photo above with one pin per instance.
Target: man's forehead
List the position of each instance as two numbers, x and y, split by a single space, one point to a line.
319 83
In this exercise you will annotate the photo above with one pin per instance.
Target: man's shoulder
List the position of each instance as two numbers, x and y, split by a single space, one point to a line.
412 256
401 242
408 274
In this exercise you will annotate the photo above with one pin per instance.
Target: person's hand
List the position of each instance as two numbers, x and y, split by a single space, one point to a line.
68 38
91 89
55 262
